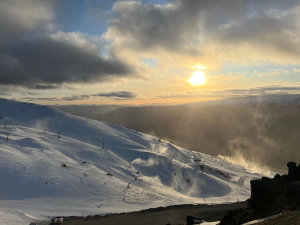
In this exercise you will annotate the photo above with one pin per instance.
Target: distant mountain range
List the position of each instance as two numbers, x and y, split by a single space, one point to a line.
93 111
255 100
260 129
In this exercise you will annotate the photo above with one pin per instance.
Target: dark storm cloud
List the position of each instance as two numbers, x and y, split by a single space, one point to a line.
75 97
181 23
46 63
154 26
44 86
30 57
119 95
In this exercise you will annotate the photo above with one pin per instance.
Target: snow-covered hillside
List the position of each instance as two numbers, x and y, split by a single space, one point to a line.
133 171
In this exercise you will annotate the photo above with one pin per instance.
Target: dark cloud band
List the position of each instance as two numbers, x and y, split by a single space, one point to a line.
30 57
119 95
46 63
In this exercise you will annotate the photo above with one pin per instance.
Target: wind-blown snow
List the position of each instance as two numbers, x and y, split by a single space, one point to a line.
34 184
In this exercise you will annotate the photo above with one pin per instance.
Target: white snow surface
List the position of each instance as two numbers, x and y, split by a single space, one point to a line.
35 186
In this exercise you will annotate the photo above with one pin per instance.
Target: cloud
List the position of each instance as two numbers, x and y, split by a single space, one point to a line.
272 73
8 90
151 26
89 42
47 62
19 17
228 93
31 57
45 86
215 30
228 77
120 95
268 74
268 31
74 97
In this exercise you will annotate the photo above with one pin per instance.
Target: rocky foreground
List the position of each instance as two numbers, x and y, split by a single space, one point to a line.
171 215
269 197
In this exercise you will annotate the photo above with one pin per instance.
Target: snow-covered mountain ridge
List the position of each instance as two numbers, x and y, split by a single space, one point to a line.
280 99
43 175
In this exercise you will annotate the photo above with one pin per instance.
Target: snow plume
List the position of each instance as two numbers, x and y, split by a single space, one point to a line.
41 124
160 149
148 163
249 165
154 181
251 154
257 149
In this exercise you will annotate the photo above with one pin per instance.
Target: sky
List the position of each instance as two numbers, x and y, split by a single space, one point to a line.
146 52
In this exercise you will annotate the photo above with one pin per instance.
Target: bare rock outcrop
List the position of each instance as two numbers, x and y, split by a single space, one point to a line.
269 197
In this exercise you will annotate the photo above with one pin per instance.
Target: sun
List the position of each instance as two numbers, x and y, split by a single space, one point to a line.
198 78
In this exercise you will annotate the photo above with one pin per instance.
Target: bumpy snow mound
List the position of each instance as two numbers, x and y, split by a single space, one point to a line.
42 174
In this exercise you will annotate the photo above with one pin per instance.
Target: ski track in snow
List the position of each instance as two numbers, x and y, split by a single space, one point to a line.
36 186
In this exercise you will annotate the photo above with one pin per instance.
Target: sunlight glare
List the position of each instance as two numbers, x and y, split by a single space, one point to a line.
199 67
198 78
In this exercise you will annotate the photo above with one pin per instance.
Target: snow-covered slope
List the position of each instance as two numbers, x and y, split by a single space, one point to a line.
34 184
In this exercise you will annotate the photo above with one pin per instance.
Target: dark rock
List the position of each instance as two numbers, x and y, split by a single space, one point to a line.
294 171
285 178
292 166
237 216
293 195
277 176
192 220
269 197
